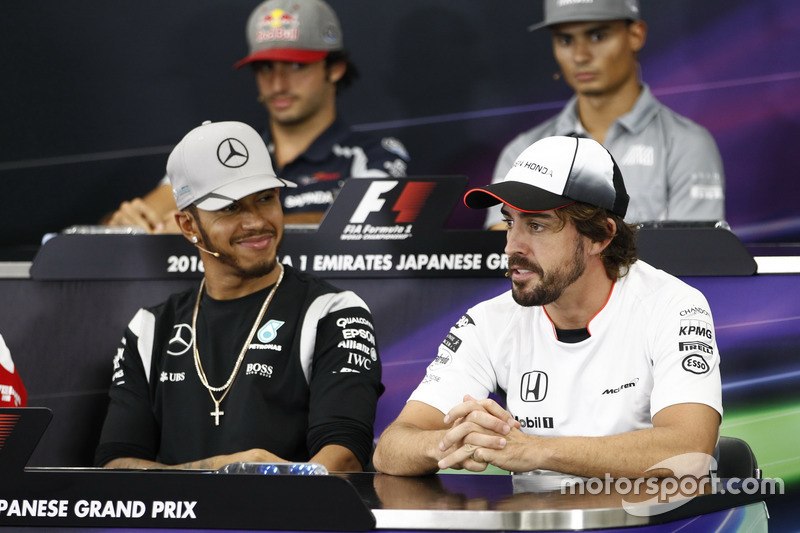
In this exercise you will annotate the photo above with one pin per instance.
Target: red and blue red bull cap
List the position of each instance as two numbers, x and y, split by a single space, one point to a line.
297 31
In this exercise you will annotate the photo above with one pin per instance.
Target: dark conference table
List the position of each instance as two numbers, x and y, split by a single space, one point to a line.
257 498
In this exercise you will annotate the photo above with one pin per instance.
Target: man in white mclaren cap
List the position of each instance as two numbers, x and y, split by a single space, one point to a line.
672 166
256 363
606 365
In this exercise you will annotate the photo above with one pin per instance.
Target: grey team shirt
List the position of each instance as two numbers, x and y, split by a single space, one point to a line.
671 166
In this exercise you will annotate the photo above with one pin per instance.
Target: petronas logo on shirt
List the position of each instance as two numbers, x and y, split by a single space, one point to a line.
269 331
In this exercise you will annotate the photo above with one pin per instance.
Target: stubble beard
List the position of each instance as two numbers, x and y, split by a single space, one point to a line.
255 271
552 284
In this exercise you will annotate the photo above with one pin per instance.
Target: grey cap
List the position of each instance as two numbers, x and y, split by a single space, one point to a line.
218 163
559 11
555 172
297 31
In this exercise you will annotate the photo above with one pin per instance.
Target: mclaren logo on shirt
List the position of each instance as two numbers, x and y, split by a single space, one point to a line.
533 387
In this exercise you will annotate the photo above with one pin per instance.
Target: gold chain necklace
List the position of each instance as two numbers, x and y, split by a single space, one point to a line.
216 413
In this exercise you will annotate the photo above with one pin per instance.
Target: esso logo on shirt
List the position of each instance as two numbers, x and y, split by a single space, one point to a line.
695 364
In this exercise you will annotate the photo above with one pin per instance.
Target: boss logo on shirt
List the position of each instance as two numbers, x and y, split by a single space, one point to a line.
258 369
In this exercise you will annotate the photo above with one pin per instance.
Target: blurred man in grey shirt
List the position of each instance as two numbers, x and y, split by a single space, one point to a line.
672 166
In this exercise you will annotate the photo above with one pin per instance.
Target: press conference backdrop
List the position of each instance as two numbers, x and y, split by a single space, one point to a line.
95 94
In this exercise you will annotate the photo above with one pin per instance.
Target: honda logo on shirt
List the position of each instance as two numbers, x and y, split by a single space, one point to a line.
533 387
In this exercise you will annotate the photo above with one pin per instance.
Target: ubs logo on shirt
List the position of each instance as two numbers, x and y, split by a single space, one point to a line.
533 387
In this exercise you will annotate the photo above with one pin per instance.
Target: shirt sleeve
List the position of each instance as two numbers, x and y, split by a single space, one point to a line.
685 355
385 157
130 429
345 377
462 366
695 175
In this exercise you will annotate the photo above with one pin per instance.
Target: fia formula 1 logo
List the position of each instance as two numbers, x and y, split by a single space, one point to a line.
408 204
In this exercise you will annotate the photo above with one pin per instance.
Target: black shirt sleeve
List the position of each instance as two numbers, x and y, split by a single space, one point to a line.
345 383
130 429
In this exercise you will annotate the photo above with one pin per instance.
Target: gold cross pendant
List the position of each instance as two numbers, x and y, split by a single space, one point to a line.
216 413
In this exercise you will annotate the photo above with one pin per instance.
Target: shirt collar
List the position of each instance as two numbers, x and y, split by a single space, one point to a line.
568 123
336 133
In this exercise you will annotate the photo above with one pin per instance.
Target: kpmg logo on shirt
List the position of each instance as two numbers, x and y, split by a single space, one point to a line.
533 387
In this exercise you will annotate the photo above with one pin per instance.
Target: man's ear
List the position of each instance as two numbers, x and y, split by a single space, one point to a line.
611 232
637 34
186 224
336 71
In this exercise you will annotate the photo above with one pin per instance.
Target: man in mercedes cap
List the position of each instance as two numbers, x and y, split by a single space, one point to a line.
300 63
253 364
606 364
672 166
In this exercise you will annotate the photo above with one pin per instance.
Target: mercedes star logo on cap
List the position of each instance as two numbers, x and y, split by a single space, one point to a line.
232 153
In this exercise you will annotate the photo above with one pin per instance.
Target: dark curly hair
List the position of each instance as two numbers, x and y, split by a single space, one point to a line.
350 75
592 222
